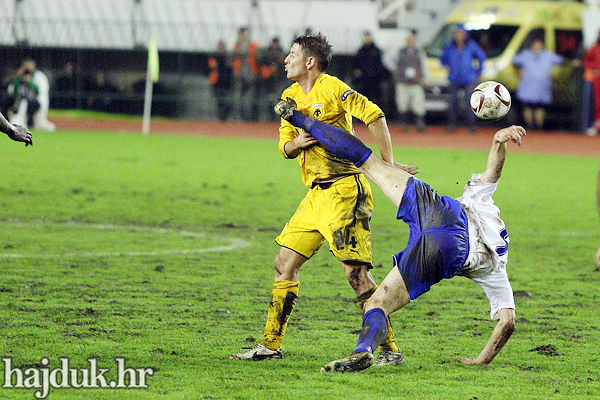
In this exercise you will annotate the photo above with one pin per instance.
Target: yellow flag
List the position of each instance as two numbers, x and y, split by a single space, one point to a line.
153 59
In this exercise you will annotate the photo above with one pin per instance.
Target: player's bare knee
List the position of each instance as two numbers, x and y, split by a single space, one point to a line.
287 268
507 319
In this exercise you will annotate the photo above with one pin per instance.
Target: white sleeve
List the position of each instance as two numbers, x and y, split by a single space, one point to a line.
480 192
498 290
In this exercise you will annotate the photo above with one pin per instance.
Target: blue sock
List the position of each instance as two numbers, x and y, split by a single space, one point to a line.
373 332
336 140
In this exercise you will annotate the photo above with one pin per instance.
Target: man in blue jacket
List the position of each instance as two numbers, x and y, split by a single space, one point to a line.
463 74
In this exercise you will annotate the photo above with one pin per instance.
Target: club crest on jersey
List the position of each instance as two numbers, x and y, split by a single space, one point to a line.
346 94
318 110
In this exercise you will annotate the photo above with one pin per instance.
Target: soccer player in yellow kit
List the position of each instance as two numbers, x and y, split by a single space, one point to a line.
338 205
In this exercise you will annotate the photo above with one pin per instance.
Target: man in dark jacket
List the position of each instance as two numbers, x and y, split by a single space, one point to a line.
369 71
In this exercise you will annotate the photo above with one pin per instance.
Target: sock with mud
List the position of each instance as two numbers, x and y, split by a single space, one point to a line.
389 343
283 300
373 332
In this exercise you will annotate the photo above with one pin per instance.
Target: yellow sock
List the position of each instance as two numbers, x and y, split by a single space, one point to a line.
389 343
282 303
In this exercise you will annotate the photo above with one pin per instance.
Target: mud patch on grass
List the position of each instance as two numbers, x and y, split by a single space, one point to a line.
546 350
522 293
90 312
233 225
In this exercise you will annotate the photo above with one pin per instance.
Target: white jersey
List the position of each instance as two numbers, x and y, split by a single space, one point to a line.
488 245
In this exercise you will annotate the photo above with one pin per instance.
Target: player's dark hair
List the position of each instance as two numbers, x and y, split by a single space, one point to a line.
315 45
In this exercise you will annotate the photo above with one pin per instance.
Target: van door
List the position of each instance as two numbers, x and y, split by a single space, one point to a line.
567 78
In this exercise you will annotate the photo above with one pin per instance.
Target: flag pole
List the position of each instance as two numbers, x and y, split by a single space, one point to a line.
147 104
151 77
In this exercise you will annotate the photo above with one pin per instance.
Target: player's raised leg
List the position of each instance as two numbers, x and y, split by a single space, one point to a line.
334 139
389 178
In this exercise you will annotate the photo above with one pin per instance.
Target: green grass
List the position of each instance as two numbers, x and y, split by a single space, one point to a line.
105 252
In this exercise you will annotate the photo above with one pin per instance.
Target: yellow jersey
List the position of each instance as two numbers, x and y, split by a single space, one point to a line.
333 102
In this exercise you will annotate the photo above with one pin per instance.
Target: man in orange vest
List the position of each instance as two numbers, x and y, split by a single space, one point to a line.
245 72
272 79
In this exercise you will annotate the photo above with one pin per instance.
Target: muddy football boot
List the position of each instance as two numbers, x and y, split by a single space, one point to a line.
258 353
285 108
389 358
355 362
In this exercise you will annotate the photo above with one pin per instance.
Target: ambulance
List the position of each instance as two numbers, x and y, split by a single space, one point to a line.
505 27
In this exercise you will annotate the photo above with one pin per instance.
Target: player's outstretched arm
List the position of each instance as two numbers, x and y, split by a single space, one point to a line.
502 332
498 152
17 133
380 131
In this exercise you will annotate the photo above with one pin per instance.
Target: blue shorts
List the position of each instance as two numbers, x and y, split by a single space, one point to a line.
438 242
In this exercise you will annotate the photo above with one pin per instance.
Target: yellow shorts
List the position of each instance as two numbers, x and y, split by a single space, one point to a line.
339 214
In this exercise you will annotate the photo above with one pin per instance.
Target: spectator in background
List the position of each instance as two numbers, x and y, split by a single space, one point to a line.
20 103
272 77
245 72
221 79
368 70
457 57
65 86
100 93
40 80
164 101
591 76
535 86
410 77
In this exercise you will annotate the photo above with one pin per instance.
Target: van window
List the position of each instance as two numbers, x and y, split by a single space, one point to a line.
568 43
493 39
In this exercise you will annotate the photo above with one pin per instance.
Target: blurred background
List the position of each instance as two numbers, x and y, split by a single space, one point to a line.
223 59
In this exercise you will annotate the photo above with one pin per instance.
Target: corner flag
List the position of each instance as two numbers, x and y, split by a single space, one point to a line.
153 65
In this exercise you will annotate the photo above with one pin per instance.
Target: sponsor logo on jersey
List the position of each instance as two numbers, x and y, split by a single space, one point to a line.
346 94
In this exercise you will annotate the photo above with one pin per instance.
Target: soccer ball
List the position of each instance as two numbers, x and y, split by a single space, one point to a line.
490 100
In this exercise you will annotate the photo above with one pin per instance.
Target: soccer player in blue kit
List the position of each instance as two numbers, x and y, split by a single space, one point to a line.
448 237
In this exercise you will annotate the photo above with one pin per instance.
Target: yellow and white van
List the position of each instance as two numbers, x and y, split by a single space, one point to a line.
503 28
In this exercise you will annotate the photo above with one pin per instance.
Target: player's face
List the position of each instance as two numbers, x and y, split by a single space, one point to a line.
295 63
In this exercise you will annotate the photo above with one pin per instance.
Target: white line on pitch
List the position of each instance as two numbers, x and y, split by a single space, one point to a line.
234 243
